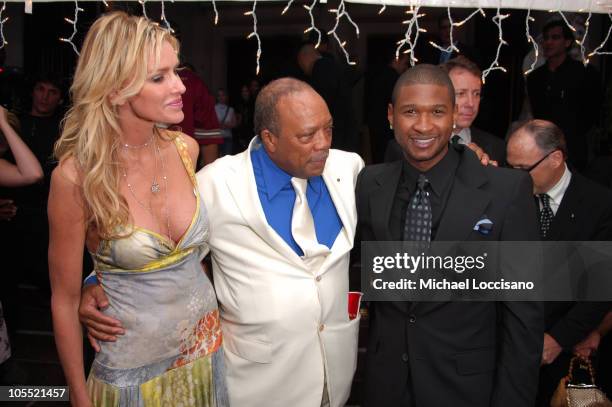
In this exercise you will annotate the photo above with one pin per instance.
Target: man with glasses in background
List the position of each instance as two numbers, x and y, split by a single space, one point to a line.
571 208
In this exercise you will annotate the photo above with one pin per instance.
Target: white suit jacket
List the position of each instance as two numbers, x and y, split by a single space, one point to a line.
285 327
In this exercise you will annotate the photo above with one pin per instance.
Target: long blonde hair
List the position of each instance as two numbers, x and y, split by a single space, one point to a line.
112 65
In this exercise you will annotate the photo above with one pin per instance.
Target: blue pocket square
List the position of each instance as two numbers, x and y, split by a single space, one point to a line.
484 226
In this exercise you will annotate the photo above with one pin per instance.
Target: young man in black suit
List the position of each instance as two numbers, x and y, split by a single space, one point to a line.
467 81
476 354
571 208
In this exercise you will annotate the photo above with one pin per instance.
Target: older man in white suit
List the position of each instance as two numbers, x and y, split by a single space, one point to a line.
282 222
287 334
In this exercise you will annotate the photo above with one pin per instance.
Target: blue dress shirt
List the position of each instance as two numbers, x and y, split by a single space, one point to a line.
277 198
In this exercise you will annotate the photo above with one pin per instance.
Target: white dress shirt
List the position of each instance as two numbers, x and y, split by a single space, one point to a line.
556 192
465 135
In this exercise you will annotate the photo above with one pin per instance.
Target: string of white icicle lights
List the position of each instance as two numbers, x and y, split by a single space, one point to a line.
341 12
74 22
144 8
413 29
468 18
532 41
497 19
3 20
585 59
562 14
287 7
603 43
452 47
411 37
383 7
255 33
163 16
313 27
214 3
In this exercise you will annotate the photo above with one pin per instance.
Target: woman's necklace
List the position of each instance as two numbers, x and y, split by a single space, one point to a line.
165 178
155 187
138 146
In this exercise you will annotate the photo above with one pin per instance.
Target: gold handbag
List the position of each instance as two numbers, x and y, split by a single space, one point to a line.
579 395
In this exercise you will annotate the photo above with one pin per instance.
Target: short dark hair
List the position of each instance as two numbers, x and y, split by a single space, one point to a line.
51 78
547 135
567 33
265 116
462 62
424 74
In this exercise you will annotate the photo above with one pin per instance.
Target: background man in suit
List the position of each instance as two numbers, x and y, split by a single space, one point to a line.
467 81
335 85
454 353
282 222
571 208
565 91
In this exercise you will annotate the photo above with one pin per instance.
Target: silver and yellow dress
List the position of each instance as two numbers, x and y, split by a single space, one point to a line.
170 354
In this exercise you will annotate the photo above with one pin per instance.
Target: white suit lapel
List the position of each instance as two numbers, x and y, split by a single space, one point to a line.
243 188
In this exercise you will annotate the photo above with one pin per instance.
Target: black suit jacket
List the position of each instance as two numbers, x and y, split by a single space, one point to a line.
492 145
585 214
454 353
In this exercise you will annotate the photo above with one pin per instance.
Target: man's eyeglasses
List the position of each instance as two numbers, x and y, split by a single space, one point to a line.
532 167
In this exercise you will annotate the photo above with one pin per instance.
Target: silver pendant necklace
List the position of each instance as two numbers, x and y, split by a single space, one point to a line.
154 184
155 188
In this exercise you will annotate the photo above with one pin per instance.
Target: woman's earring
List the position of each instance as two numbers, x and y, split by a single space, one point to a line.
391 126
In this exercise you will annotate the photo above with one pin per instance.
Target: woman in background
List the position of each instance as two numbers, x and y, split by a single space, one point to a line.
25 171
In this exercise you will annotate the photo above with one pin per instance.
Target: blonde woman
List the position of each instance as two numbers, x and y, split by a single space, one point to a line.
126 190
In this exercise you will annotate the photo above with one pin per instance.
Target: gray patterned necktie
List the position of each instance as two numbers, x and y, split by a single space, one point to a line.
418 214
546 215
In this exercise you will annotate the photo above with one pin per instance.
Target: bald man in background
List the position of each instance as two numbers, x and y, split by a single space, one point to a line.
570 208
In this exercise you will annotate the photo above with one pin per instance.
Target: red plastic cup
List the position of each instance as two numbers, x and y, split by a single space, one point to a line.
354 303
